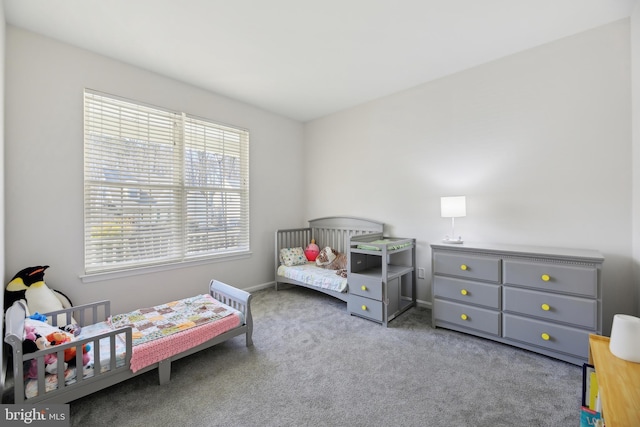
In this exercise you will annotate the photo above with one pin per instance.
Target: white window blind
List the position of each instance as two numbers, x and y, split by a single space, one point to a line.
161 186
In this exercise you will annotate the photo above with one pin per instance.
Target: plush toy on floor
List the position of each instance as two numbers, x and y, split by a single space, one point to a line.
28 284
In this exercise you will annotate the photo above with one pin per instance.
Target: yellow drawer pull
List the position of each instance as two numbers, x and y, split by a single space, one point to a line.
464 267
363 287
464 317
545 307
364 307
545 277
464 292
545 336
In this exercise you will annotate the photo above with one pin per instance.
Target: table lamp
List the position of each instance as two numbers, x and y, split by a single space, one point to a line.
625 337
453 207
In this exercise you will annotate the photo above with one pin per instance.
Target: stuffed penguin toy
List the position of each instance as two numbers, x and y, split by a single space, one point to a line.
29 285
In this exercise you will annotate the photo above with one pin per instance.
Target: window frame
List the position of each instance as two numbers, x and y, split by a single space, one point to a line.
170 185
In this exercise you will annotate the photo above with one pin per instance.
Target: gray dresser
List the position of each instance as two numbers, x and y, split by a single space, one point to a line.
546 300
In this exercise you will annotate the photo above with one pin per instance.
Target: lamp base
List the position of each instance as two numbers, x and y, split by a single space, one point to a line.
457 241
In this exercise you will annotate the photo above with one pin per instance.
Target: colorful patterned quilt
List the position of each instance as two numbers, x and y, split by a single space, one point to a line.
164 320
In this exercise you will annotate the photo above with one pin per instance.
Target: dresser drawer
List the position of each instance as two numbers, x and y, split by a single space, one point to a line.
365 286
546 335
480 319
558 308
365 307
466 291
467 266
572 279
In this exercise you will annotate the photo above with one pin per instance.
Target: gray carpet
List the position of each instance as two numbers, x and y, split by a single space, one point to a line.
313 364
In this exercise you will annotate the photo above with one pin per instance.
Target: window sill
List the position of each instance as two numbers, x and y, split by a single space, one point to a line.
117 274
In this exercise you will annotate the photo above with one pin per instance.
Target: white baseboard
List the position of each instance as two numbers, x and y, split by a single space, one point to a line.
260 287
424 304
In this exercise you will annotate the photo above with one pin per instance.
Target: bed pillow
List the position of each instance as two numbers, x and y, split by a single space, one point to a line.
293 256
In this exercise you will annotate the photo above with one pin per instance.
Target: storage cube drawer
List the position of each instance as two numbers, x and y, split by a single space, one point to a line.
480 319
365 286
466 291
543 334
365 307
573 279
361 262
467 266
558 308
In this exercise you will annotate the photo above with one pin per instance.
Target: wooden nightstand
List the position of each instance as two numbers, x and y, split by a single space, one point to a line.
618 382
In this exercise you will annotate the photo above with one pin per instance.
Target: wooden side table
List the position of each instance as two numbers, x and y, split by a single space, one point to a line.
618 383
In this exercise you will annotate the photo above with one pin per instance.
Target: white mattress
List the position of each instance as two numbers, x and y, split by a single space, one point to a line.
312 275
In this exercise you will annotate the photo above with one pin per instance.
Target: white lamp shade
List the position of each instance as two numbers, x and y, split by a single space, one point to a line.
625 337
453 206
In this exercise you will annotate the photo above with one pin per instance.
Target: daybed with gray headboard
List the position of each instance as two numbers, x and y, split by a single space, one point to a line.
333 232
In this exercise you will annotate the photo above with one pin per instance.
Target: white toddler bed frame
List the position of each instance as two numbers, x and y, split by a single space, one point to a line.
93 313
334 231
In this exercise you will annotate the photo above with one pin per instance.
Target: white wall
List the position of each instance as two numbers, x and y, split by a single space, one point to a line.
44 170
635 123
2 242
539 142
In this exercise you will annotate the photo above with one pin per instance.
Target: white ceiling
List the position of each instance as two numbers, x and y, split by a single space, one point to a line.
308 58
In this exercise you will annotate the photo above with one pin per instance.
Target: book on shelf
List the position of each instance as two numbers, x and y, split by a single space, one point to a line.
591 410
590 418
587 370
593 391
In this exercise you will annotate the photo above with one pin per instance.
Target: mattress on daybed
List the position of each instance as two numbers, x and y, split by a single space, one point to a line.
158 333
311 274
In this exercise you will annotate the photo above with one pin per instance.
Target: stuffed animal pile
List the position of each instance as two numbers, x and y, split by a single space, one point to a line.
29 288
40 336
29 285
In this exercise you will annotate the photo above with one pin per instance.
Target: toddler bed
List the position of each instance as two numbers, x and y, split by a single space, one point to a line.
333 232
111 349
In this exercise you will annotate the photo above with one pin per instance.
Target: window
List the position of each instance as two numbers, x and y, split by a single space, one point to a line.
160 186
